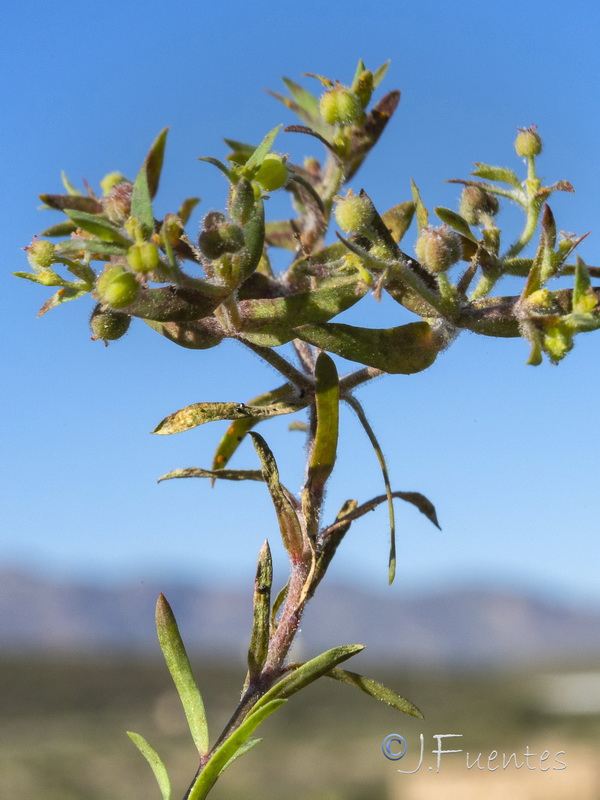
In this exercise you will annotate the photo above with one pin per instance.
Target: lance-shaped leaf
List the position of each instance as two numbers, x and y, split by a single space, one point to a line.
141 202
584 297
224 474
178 663
502 174
403 350
271 322
68 202
173 304
315 122
347 515
289 524
200 335
199 413
97 249
327 402
305 99
98 226
311 132
309 672
156 763
252 166
398 219
62 296
241 751
422 213
329 542
377 690
186 208
219 165
259 640
153 162
230 748
236 432
455 221
60 229
358 410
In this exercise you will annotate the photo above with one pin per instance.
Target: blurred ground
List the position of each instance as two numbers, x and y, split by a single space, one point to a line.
63 723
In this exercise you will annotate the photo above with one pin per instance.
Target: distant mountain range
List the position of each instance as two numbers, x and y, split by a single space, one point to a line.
462 627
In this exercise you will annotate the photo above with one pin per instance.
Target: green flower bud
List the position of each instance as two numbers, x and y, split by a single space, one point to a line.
273 173
143 257
41 254
220 237
528 142
476 204
108 182
116 287
354 213
438 248
117 203
108 325
363 87
340 106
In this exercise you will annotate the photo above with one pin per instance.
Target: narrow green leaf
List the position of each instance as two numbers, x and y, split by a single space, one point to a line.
380 73
60 229
305 99
403 350
348 515
360 68
68 185
243 149
455 221
64 202
501 174
422 213
517 266
199 413
375 689
358 410
236 432
62 296
308 672
241 751
584 297
153 162
223 474
327 399
281 595
98 249
219 165
199 335
290 103
259 639
398 219
271 322
186 208
98 226
172 304
289 524
254 237
252 165
141 202
155 761
178 663
230 748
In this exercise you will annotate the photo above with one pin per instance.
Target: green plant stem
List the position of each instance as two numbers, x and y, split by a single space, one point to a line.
354 379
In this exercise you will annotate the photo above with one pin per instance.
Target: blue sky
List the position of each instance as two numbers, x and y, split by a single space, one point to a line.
507 452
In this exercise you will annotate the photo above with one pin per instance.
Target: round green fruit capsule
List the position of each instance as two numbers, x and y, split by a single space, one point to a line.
108 325
143 257
438 248
476 204
273 173
41 253
116 287
528 142
340 106
354 213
